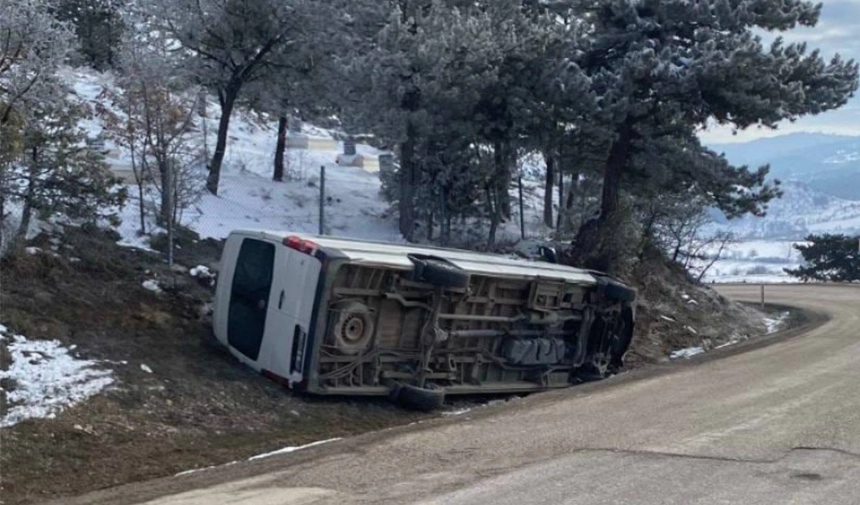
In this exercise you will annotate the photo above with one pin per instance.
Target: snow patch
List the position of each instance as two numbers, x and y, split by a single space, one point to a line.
689 352
145 368
200 271
287 450
732 341
47 379
457 412
32 251
195 470
774 324
151 285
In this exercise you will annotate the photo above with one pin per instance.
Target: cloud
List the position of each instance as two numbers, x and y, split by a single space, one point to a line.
837 32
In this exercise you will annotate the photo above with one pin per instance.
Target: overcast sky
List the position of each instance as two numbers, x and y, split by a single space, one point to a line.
838 31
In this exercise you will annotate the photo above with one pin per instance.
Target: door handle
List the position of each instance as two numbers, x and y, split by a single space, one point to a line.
281 300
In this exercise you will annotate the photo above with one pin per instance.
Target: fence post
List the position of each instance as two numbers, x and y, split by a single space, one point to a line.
322 200
522 211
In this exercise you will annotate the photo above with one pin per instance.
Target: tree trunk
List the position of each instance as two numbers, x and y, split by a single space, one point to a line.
647 231
407 185
227 100
410 103
139 180
494 211
3 237
27 211
502 179
619 155
444 218
595 246
26 216
141 207
565 221
559 223
505 180
559 220
547 194
280 147
165 167
430 227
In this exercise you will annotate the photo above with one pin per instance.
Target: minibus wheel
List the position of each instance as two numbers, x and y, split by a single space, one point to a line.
414 397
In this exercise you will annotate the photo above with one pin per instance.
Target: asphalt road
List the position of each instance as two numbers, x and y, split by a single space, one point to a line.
776 424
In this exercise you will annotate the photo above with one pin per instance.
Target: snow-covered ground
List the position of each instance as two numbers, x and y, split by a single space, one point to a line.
249 198
756 261
45 378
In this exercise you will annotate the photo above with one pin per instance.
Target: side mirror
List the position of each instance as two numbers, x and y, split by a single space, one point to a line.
548 254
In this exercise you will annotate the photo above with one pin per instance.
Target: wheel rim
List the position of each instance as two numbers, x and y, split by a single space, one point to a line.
353 329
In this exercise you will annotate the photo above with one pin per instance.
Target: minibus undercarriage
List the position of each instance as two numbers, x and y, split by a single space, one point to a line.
438 328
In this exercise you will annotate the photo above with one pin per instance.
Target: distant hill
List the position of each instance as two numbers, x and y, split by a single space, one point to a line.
800 211
827 163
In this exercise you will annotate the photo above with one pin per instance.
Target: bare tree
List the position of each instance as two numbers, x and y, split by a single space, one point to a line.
232 43
156 126
718 244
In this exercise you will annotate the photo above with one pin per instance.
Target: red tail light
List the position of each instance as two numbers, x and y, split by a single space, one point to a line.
275 378
301 245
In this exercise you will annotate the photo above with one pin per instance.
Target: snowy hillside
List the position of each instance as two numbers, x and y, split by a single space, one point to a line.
821 183
765 246
801 210
826 163
248 198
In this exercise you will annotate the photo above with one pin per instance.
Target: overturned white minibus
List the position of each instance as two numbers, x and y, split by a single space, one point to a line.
348 317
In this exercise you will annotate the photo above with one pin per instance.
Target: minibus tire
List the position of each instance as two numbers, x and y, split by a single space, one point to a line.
618 292
416 398
439 272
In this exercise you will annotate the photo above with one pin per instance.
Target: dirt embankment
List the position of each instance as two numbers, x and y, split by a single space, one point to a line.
675 313
198 407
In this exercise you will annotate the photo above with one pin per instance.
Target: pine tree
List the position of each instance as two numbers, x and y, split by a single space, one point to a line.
99 27
662 70
829 258
55 172
418 87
